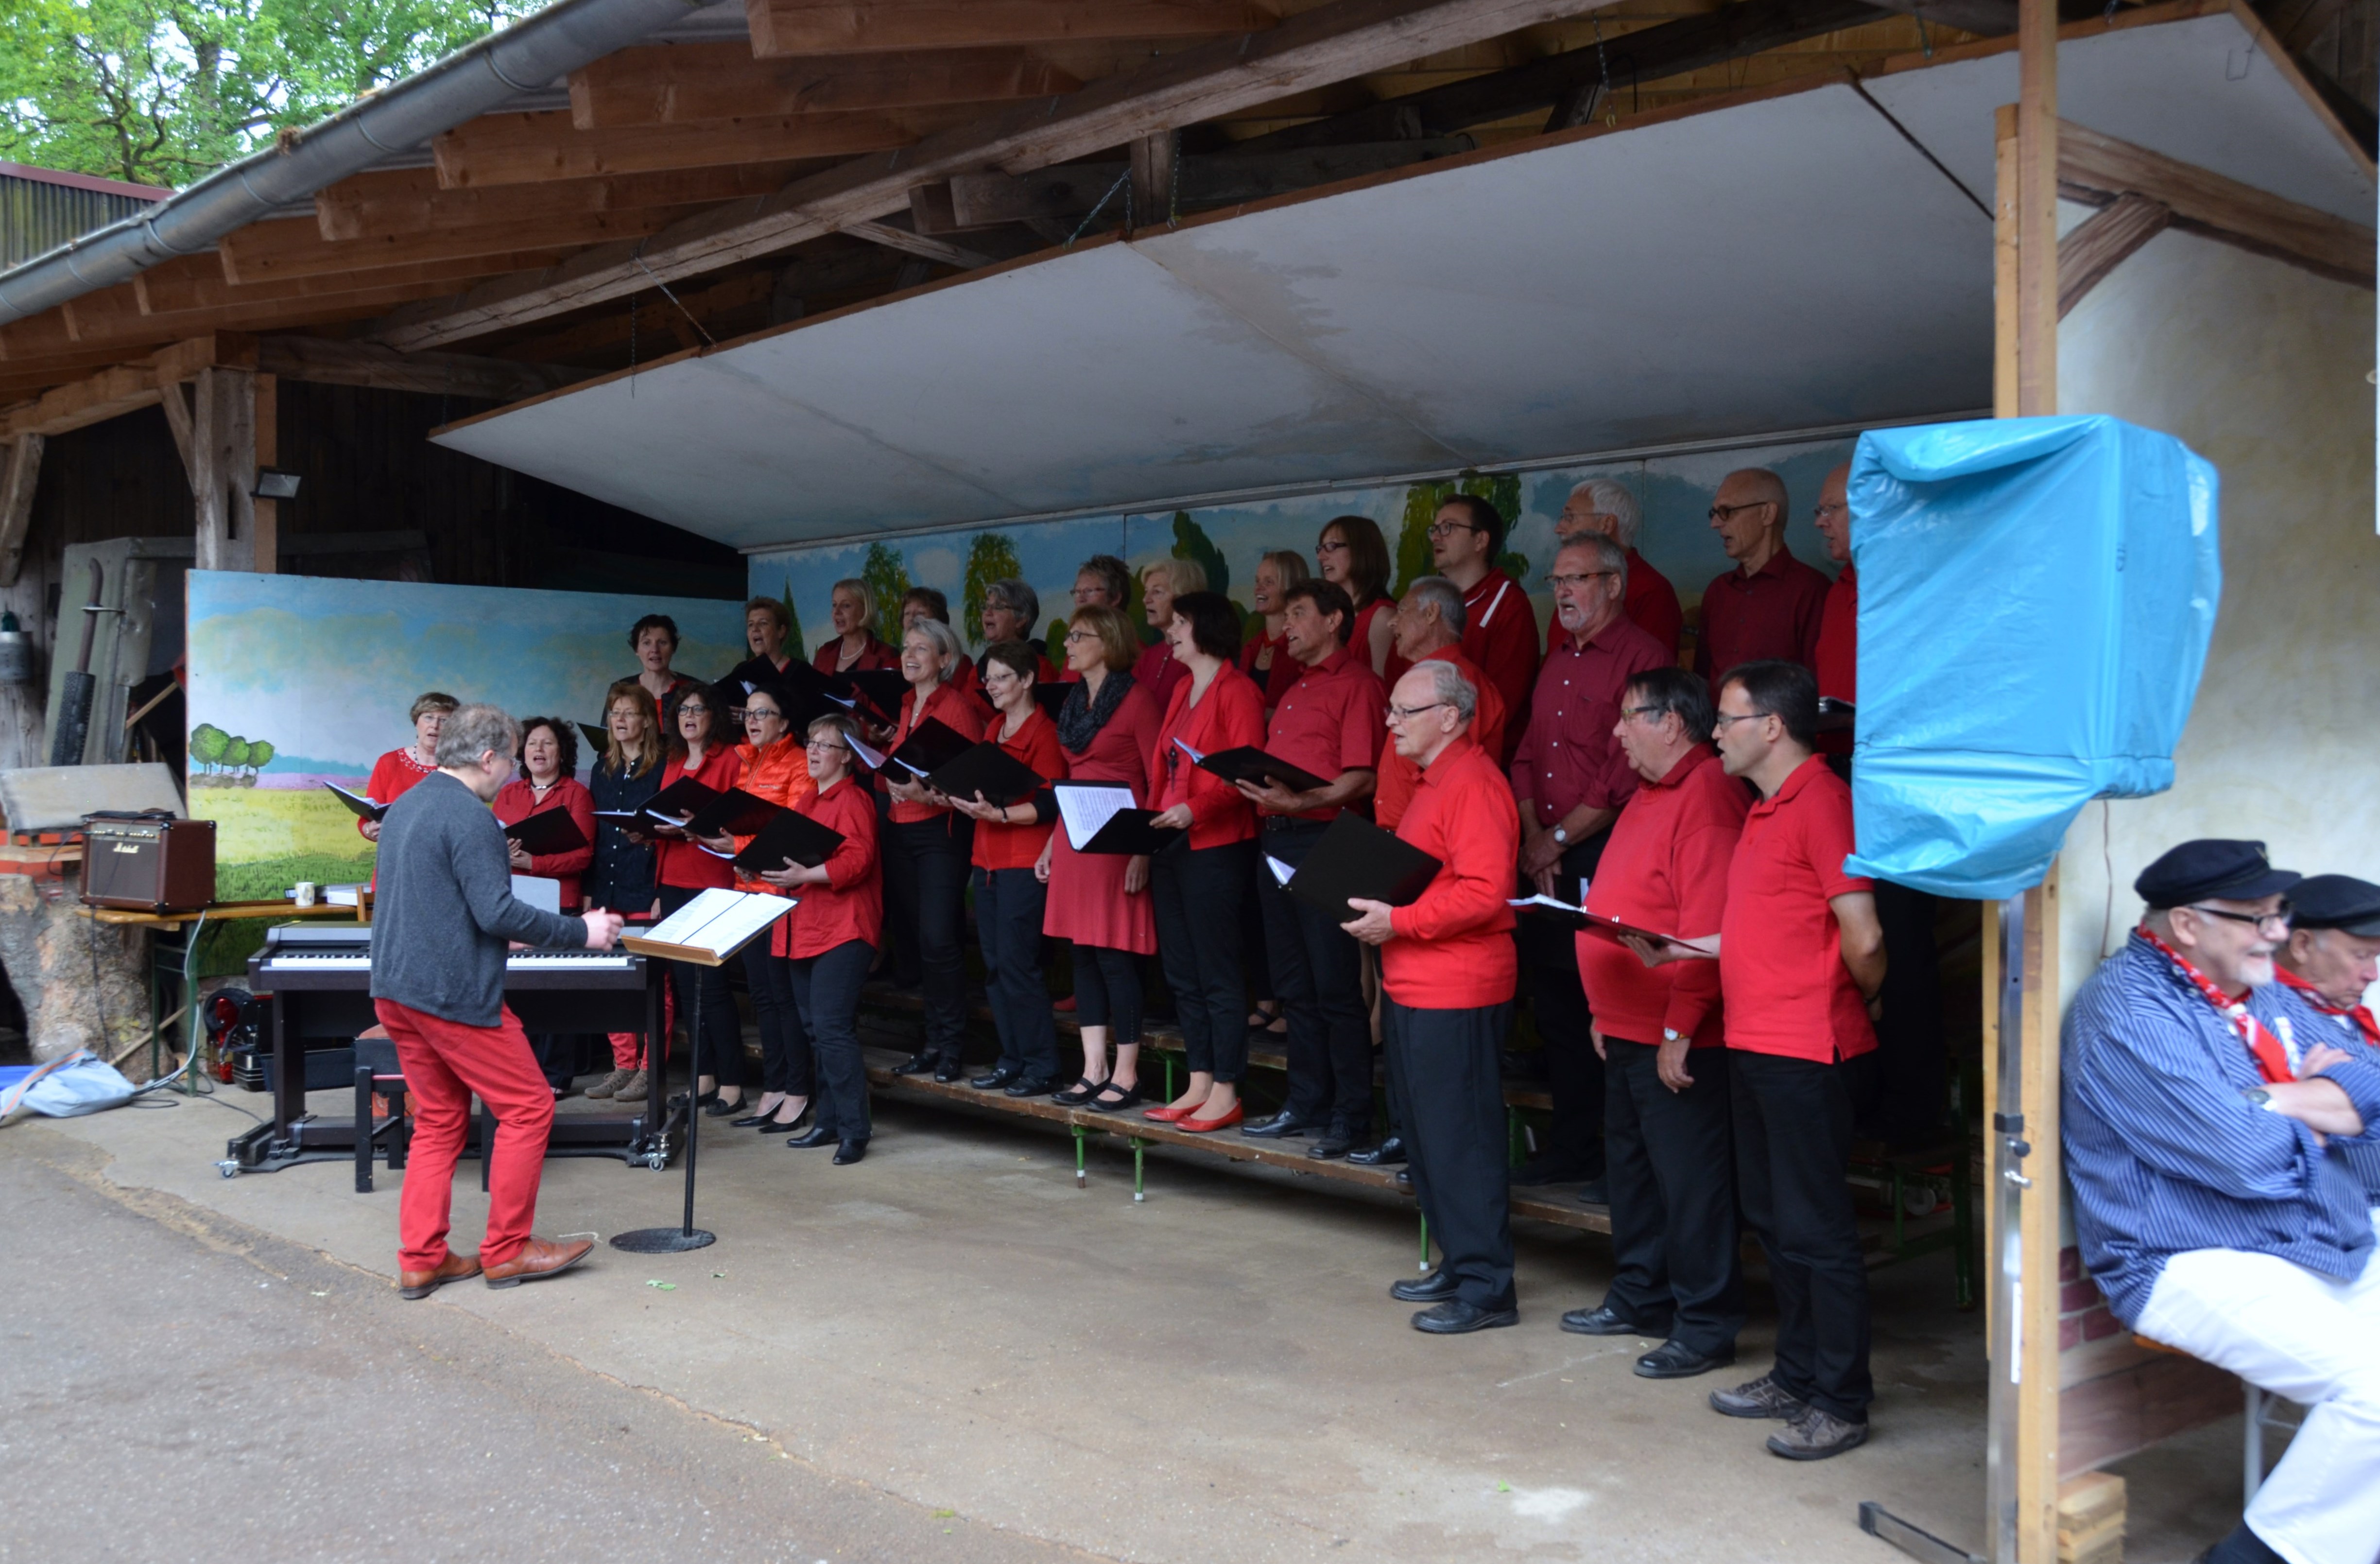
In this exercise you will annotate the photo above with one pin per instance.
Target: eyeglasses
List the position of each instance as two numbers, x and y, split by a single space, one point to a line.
697 707
762 713
2260 922
1626 712
1447 529
1579 580
1722 721
1331 546
1721 512
1406 713
1827 508
1075 635
1090 593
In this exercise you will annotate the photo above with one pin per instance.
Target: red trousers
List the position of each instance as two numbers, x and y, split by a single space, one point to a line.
444 1063
628 1050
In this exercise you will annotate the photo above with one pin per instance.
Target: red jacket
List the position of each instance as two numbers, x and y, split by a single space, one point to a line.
1453 948
851 904
1230 716
516 800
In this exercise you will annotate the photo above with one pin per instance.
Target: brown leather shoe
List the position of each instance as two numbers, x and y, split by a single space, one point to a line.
536 1260
421 1284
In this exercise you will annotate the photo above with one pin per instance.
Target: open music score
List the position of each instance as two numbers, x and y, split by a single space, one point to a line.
710 928
516 960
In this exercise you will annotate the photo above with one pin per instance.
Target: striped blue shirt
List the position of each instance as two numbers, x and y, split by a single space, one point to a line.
2292 1019
2165 1155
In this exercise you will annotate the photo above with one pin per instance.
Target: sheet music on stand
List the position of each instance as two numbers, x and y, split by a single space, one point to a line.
1086 806
710 928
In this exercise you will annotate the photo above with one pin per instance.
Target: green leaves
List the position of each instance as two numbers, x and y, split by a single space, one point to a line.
161 91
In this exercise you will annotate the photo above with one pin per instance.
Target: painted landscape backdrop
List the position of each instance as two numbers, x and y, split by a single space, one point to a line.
298 681
1673 491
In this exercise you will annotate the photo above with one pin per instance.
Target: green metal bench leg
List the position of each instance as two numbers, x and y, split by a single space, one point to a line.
1081 1137
1138 1146
1425 1244
1170 1092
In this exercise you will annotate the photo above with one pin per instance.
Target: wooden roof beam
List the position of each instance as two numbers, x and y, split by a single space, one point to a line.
687 84
401 200
522 149
1333 42
328 361
196 282
284 250
855 26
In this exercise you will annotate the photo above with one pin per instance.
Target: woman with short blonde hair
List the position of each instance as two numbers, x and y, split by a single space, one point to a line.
855 647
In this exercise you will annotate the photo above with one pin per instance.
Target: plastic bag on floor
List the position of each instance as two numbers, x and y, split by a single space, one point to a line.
68 1086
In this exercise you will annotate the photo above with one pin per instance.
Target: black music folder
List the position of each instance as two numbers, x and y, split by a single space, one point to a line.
879 688
365 808
990 770
548 831
1835 717
1101 817
790 835
685 796
931 745
735 813
1248 764
1573 917
596 735
1355 858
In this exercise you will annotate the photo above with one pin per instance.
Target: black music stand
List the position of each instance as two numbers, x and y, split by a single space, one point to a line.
686 1236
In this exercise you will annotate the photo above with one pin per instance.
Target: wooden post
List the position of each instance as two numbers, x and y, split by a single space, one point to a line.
16 485
1152 180
264 450
222 472
2020 1005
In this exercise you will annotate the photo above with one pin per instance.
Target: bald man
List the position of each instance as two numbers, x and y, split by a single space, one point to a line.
1770 605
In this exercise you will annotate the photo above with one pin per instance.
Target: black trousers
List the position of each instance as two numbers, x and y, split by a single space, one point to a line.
1910 1090
826 990
1573 1075
925 888
1670 1160
1447 1069
1792 1135
719 1050
1008 908
1317 973
1197 891
1107 992
785 1041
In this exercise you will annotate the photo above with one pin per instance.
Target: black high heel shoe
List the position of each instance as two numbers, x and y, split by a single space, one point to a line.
750 1120
775 1126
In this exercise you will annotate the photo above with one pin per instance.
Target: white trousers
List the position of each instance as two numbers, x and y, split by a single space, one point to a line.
2314 1340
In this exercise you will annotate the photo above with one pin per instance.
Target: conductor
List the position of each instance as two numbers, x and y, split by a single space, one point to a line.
446 913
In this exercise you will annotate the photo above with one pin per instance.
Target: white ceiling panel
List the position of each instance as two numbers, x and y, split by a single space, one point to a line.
1785 263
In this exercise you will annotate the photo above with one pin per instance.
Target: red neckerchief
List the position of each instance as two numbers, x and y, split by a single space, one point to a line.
2272 1059
2360 1014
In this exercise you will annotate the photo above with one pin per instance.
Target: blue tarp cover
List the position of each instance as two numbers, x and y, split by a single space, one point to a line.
2036 595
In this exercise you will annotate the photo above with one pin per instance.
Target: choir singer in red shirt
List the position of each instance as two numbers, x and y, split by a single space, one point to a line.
1447 966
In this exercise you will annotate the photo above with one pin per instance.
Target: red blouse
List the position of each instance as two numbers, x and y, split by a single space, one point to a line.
875 655
392 775
851 904
516 800
1036 743
949 705
684 864
1230 715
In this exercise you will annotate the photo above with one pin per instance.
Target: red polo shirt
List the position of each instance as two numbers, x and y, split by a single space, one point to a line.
1453 948
1231 715
1499 636
949 705
1836 660
1036 743
1568 756
851 904
1780 963
1329 720
1651 605
1665 869
1399 776
1772 612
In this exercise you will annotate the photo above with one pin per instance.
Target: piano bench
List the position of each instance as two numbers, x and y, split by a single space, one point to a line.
378 1070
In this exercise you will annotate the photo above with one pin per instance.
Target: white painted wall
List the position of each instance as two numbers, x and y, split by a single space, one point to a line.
2261 368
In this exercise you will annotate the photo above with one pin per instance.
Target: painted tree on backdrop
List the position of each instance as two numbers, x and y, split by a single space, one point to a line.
991 557
794 647
1501 490
887 575
1191 542
160 91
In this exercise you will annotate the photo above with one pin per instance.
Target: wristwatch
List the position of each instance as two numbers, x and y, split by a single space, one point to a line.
1671 1034
2256 1096
1561 835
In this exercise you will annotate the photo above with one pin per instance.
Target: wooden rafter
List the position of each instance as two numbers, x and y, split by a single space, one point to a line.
264 253
2102 242
325 362
686 83
522 149
196 284
100 397
852 27
1069 191
403 201
18 479
1333 43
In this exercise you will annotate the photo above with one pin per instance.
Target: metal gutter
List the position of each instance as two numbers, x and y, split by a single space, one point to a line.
487 74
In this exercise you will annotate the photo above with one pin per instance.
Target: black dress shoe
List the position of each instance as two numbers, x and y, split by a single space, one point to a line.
1454 1316
917 1064
1675 1359
1544 1170
1105 1104
1438 1285
817 1135
1081 1092
1404 1180
995 1079
678 1101
717 1110
849 1152
1605 1320
948 1072
1029 1086
1333 1143
1391 1150
1280 1127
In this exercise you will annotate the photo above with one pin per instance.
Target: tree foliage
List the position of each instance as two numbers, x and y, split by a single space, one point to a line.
208 743
1501 490
793 625
1191 542
161 91
991 557
887 576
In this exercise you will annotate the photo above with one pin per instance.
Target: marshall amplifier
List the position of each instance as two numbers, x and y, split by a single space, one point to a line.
149 863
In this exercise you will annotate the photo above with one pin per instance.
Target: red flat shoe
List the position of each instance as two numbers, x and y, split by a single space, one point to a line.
1201 1125
1169 1115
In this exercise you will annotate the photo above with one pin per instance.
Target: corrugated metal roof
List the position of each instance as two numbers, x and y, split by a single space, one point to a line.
42 208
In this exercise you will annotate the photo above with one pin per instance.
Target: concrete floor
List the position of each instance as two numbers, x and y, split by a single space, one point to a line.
953 1330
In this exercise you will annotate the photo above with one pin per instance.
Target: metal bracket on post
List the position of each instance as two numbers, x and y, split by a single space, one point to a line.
2008 1185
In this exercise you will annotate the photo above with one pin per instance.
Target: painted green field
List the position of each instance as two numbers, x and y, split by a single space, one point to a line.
269 838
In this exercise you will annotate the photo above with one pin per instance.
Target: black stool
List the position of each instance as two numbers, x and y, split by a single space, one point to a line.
377 1069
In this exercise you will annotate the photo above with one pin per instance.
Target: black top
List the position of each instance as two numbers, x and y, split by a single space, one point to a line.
620 878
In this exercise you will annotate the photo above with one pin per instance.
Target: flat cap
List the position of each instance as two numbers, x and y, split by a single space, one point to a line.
2336 901
2212 866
